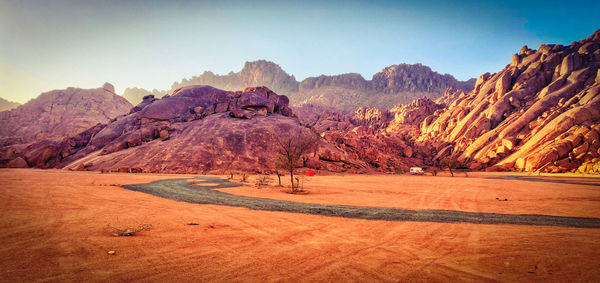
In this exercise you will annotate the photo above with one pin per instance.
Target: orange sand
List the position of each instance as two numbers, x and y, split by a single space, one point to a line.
474 193
52 227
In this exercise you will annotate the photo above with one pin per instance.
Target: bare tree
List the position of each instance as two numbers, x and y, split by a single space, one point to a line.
290 151
451 163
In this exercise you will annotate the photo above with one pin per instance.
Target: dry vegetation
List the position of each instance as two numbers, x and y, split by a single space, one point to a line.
128 231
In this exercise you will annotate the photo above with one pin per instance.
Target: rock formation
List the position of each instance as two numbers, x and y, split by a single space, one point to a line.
394 84
59 113
196 129
7 105
321 118
540 113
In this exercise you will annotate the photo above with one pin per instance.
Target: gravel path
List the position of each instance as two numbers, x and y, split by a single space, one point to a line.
194 192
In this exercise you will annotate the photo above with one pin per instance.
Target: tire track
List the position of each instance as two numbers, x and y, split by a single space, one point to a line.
195 192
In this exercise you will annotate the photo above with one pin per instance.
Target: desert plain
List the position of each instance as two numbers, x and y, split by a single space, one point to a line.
54 227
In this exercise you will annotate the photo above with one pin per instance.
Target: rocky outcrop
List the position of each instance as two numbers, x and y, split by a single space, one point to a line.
393 85
59 113
449 95
322 119
7 105
382 152
371 117
540 113
413 113
365 135
415 78
196 129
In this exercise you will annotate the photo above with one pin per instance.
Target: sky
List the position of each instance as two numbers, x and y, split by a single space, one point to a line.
46 45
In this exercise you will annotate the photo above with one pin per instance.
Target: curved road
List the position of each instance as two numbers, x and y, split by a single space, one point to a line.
194 191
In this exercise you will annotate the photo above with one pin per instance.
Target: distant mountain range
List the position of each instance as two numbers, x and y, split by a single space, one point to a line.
393 85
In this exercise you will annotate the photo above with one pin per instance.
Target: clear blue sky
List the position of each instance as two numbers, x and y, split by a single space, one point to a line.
47 45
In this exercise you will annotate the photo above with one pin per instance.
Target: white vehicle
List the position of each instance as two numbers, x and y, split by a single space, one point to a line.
416 171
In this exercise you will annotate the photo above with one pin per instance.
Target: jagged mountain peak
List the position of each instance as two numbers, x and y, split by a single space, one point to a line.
348 91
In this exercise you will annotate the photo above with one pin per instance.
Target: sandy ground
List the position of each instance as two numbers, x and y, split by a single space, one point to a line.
474 193
53 228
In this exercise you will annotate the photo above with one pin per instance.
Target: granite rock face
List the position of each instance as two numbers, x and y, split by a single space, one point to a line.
540 113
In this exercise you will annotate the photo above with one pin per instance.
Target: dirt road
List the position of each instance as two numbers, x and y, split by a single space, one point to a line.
202 190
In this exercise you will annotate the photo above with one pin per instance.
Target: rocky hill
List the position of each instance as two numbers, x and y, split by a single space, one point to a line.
197 129
7 105
59 113
394 84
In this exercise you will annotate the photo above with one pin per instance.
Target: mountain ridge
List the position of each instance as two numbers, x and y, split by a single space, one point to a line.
395 84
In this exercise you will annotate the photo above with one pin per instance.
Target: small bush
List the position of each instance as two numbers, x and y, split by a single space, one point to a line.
298 187
263 181
128 231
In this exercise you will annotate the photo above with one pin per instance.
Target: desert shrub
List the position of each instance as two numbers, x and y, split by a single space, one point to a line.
296 186
128 231
299 186
263 181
